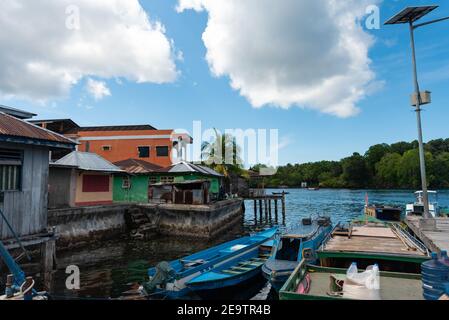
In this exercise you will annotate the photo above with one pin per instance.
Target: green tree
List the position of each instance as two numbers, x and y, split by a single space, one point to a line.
402 147
387 171
375 154
409 170
355 171
223 154
439 171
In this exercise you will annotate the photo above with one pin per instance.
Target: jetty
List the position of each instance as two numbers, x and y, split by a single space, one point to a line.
265 204
436 240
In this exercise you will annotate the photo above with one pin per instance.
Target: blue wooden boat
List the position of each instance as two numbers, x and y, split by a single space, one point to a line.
290 248
235 272
170 279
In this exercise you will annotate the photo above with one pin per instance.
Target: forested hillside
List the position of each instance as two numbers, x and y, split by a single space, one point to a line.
382 166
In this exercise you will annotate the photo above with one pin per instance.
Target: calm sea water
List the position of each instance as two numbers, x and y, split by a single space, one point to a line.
108 269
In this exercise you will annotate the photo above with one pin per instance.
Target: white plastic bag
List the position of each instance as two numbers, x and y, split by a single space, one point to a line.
364 285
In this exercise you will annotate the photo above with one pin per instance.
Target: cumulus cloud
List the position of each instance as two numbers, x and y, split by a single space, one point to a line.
312 54
97 89
50 45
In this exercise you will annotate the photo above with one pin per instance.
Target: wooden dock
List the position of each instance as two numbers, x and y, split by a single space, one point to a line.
266 203
437 240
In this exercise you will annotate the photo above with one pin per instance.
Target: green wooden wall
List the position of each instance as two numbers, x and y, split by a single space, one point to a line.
138 193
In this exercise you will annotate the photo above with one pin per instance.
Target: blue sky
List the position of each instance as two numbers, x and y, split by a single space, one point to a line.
308 135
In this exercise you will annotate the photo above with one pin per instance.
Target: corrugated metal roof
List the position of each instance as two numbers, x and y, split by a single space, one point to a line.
186 182
88 161
13 127
114 128
21 114
135 166
186 167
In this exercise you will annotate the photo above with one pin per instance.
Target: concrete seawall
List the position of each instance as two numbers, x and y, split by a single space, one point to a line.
78 226
199 221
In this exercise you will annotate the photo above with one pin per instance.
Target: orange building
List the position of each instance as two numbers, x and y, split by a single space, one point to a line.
117 143
128 142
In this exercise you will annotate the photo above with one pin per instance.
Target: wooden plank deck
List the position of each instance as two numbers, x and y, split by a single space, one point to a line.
367 242
435 240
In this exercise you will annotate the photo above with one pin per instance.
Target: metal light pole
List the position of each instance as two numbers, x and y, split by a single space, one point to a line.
422 158
410 15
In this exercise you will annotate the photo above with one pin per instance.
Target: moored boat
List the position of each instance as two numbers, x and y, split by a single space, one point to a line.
290 248
384 213
18 286
170 279
235 272
374 242
310 282
417 208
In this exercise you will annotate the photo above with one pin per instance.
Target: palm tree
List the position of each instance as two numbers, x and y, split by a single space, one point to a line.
222 154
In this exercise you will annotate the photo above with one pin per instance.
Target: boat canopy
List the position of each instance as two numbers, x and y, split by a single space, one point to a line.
429 191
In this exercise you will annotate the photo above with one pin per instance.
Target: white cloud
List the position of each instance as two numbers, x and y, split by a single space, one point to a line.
312 54
97 89
41 58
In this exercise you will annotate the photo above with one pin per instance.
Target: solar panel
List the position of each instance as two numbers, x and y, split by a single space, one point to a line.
411 14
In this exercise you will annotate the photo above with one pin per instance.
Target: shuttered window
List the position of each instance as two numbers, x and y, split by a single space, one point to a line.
10 170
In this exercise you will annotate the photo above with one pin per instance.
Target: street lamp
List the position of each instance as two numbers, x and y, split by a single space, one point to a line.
410 15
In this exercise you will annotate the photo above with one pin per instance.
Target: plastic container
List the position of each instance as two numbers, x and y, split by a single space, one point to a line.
444 258
364 285
434 276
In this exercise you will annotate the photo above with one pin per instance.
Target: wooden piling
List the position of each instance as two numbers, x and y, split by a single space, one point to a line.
276 214
269 209
266 209
255 211
260 210
48 256
283 206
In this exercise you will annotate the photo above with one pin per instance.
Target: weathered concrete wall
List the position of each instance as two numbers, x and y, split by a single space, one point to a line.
204 221
74 226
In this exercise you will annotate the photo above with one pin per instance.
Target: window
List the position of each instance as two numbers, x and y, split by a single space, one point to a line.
10 170
144 152
126 183
95 183
107 148
167 179
162 151
153 180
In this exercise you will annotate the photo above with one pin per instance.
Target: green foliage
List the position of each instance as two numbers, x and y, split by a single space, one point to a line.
223 155
382 166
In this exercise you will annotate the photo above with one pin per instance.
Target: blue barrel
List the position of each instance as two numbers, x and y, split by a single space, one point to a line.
435 275
444 258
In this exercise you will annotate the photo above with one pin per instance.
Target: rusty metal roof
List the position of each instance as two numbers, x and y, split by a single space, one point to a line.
135 166
16 130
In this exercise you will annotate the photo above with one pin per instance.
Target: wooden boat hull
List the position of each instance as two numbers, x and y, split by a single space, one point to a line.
234 273
225 254
278 271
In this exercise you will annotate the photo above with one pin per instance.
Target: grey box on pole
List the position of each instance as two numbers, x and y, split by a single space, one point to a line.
426 98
